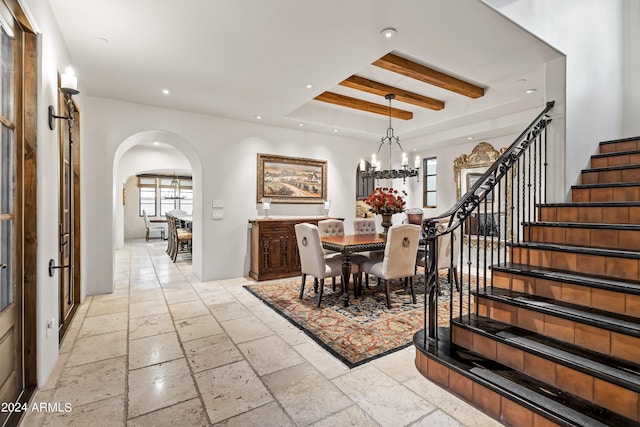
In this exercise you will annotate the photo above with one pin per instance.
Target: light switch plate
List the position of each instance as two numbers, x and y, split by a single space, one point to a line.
217 204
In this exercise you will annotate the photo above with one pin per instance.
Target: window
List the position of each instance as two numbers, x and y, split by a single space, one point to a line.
429 182
364 186
154 193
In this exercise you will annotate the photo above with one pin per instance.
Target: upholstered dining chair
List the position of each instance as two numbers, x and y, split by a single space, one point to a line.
179 239
367 226
399 261
331 227
364 226
150 227
446 245
312 259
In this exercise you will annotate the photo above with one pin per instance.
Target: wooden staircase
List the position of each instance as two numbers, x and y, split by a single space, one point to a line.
556 338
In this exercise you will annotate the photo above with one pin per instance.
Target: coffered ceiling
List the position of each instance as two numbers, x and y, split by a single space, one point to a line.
456 67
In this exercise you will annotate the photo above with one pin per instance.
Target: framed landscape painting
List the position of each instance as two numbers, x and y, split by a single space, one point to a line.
291 179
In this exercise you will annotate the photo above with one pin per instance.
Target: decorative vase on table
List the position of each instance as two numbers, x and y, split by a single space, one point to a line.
386 202
386 223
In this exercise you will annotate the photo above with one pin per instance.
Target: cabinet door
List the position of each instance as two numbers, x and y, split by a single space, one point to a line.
274 250
295 255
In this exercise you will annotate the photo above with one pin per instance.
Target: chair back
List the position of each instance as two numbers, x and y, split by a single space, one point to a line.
446 246
331 227
400 251
146 219
364 226
310 249
171 224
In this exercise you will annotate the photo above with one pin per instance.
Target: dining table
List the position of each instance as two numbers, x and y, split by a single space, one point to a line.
186 221
348 245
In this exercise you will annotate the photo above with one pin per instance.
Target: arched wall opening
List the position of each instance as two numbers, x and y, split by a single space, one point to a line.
179 155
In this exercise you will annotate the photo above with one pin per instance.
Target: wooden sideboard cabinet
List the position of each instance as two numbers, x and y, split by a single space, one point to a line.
274 250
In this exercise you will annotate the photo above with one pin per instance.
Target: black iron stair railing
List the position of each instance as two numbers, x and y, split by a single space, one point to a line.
488 219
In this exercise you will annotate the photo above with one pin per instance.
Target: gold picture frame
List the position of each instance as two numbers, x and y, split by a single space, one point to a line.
286 179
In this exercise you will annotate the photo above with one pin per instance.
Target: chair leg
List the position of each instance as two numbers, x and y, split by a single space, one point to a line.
315 285
304 279
147 236
333 284
320 294
455 278
386 283
413 293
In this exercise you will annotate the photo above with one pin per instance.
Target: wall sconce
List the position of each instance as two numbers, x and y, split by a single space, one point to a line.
266 205
69 87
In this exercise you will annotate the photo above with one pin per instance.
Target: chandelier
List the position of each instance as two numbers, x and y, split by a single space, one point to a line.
174 189
374 169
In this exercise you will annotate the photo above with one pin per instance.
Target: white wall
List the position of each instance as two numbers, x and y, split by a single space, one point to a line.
226 152
589 33
631 40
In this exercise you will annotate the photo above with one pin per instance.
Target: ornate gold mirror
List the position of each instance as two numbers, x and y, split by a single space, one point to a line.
493 227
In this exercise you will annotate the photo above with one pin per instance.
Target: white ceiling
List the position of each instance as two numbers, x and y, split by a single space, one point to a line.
241 58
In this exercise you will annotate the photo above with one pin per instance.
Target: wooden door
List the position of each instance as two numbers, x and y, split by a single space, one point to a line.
11 307
68 225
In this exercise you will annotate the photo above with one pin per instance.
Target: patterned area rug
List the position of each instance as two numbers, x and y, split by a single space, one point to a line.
365 330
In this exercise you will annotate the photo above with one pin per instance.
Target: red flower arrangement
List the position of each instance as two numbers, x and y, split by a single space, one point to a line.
386 201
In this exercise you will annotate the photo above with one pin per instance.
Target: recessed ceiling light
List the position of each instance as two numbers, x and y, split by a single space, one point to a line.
308 85
469 138
530 91
258 116
156 143
166 91
336 130
388 32
300 124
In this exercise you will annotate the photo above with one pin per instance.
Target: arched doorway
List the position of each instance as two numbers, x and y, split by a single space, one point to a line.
154 150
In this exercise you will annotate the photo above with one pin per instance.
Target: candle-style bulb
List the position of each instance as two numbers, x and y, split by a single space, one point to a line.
417 162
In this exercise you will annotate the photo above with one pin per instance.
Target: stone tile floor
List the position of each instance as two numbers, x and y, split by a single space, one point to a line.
166 349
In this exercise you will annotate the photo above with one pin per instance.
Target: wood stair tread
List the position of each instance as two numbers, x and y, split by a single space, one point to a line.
589 204
616 371
560 407
606 184
584 225
599 318
578 249
616 141
594 281
615 153
610 168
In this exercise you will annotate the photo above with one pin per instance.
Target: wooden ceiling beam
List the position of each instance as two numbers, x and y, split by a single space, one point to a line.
425 74
359 104
370 86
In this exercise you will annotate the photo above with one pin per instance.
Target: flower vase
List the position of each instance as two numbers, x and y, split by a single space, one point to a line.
386 223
